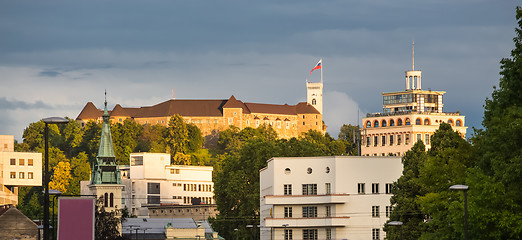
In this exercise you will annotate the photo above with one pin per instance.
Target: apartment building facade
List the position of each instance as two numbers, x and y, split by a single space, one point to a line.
332 197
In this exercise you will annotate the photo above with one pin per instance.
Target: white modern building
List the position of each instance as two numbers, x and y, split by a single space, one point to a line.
17 169
150 180
330 197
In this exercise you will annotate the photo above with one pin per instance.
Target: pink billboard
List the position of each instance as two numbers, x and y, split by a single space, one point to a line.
76 218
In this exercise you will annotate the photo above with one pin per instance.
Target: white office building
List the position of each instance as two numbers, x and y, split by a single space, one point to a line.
331 197
150 180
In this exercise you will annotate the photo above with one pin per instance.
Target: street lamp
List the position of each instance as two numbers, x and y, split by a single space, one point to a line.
396 223
54 193
47 121
465 189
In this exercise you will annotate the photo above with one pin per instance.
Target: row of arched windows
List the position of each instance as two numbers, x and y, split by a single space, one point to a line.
407 121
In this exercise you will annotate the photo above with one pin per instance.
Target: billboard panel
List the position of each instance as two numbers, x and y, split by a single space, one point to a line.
76 218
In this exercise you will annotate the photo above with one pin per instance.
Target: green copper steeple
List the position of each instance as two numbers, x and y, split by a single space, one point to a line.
105 170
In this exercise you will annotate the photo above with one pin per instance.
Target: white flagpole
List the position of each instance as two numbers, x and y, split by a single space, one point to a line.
322 66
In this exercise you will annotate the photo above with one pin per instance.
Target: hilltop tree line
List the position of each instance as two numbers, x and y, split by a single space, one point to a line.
490 164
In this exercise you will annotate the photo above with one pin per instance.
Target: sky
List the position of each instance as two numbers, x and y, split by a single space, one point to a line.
57 55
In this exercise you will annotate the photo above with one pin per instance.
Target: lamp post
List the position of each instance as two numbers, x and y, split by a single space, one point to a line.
397 223
465 189
47 121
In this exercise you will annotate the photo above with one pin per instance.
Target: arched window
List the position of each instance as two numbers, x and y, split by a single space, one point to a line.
112 200
458 123
450 122
399 122
392 123
383 123
106 200
407 121
418 121
427 121
375 123
314 101
368 124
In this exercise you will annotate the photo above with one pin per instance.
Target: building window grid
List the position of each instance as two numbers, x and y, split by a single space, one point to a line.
375 234
309 189
310 234
360 188
288 234
287 189
375 188
388 188
288 212
310 212
375 211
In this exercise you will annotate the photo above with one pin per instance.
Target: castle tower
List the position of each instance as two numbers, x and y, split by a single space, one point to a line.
314 95
105 177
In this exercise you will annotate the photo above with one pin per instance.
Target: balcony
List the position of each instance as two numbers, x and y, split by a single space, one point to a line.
306 199
307 222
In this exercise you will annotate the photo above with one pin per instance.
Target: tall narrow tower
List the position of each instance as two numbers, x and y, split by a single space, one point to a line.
105 177
413 78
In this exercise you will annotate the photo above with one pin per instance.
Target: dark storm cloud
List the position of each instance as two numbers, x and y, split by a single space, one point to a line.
15 104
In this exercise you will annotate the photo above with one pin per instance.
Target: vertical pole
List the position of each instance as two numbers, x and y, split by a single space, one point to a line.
322 66
46 184
465 214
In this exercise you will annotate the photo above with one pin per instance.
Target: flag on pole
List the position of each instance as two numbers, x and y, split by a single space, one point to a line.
318 66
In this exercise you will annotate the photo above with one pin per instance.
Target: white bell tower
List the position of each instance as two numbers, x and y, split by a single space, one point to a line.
314 95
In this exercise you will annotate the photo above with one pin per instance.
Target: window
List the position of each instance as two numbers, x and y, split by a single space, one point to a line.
399 139
106 200
288 212
328 211
407 121
328 234
288 189
310 212
309 170
153 188
383 142
153 199
427 121
391 140
112 200
375 234
375 211
418 121
399 122
174 171
383 123
288 171
288 234
328 188
21 162
367 141
360 188
12 175
407 140
368 124
309 189
388 211
13 161
450 122
392 123
21 175
136 160
388 188
427 139
314 101
458 123
375 123
310 234
419 137
29 162
375 188
375 141
29 175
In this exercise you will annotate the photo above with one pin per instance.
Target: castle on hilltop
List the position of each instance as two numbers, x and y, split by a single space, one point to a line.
212 116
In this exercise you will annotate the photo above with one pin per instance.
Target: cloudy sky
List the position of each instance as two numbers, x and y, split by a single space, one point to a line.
55 56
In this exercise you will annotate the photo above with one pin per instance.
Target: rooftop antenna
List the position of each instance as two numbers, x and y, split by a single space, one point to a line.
413 56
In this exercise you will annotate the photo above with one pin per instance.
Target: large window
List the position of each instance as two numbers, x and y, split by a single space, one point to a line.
310 212
396 99
153 188
427 139
288 234
375 234
388 188
309 189
288 212
391 140
375 188
288 189
310 234
136 160
328 188
383 141
375 211
360 188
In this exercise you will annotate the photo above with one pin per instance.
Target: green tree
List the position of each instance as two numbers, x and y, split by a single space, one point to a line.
80 171
349 135
125 138
71 137
152 139
107 223
405 192
91 140
499 148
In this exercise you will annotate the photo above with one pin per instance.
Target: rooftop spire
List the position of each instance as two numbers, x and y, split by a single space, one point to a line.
413 56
